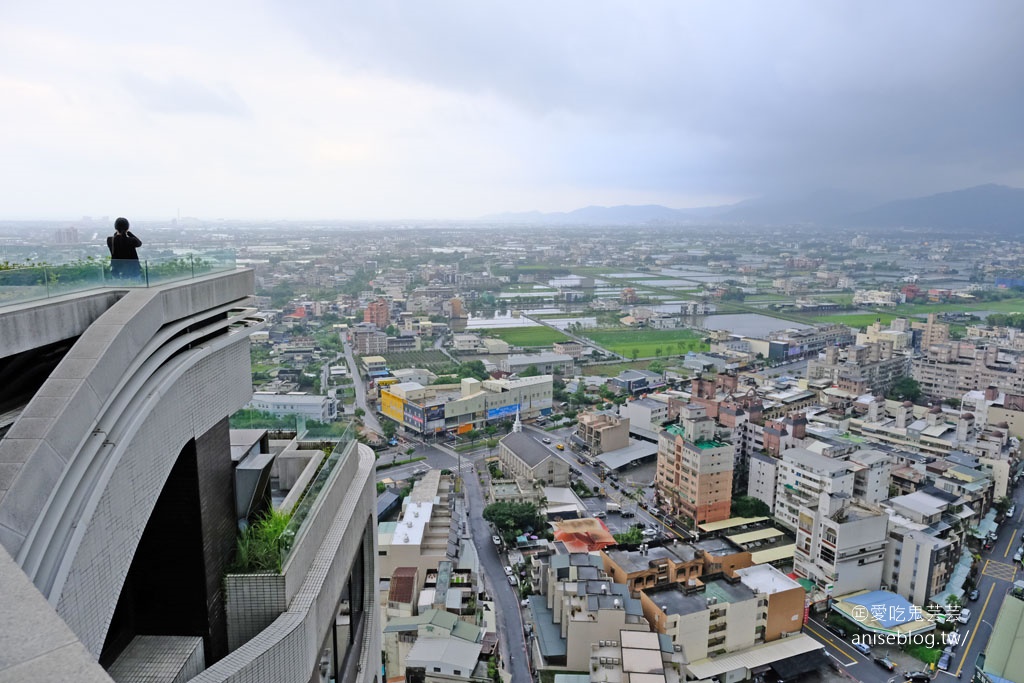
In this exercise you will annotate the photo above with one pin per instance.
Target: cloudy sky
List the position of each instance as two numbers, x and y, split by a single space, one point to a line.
428 108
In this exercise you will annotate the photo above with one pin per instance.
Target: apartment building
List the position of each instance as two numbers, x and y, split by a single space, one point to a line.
927 534
840 544
734 627
646 413
580 605
694 475
378 313
648 566
929 332
801 476
872 367
573 349
599 432
367 340
420 537
872 475
635 656
951 369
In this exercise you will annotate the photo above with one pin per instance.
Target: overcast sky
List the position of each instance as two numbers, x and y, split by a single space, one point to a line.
420 109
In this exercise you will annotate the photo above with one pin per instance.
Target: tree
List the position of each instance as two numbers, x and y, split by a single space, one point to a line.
658 351
1002 506
511 518
656 366
530 371
359 412
389 428
905 389
635 353
748 506
472 435
473 368
631 537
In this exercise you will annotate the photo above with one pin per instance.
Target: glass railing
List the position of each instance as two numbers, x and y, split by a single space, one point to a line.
300 513
32 283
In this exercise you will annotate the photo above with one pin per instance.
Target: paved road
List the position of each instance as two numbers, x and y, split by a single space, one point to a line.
998 571
504 596
369 419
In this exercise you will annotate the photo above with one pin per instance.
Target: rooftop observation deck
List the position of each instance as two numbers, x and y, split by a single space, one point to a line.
30 284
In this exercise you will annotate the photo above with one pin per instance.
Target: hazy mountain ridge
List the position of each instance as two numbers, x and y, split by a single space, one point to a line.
996 207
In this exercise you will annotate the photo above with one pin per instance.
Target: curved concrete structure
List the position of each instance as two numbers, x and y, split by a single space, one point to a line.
137 381
116 484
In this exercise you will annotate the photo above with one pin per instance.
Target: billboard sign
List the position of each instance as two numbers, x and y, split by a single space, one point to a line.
413 415
434 413
503 411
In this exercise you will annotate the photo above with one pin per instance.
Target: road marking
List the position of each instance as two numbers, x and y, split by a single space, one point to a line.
970 641
834 643
1010 544
1000 570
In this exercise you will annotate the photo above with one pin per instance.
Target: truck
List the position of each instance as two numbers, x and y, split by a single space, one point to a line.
613 507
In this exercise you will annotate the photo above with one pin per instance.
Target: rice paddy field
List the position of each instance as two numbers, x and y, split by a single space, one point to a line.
539 335
647 342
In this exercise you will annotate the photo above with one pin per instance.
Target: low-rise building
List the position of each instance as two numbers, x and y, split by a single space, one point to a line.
581 606
801 476
840 544
654 566
545 363
598 432
310 406
525 457
420 537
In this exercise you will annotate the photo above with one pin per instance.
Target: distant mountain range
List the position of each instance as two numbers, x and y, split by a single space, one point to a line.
992 207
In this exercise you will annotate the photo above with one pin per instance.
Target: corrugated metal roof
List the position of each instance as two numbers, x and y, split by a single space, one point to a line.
751 658
772 554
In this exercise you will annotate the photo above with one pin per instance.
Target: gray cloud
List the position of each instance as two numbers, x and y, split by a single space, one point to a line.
746 98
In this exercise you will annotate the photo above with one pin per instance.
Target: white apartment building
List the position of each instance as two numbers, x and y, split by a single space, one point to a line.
872 474
762 477
311 406
802 475
645 412
840 544
925 541
581 606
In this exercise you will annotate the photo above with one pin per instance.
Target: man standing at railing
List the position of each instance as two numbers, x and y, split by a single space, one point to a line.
124 260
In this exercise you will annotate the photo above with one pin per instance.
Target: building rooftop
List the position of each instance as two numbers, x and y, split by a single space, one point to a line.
724 591
527 448
764 578
631 561
717 547
672 599
814 462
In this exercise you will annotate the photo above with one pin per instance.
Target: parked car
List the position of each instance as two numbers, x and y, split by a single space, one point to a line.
496 539
975 594
944 660
838 630
918 676
513 581
508 570
862 648
965 615
885 663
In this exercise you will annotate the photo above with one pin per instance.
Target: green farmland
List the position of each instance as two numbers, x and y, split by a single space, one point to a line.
647 342
431 359
858 320
527 336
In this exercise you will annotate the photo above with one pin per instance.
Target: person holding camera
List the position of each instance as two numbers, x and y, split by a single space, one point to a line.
124 259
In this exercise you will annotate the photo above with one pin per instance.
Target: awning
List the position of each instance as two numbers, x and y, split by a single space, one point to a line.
753 657
800 664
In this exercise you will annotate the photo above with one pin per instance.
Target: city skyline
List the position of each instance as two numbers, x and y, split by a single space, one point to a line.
393 110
